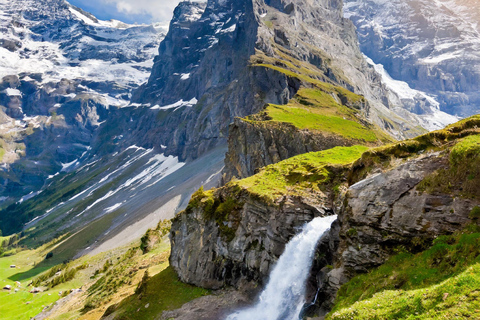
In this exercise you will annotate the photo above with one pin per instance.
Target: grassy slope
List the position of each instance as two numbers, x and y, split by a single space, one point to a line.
463 175
442 282
103 283
161 292
108 279
318 106
299 173
14 305
317 110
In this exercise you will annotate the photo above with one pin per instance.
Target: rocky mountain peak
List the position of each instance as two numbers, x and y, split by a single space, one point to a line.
212 68
187 11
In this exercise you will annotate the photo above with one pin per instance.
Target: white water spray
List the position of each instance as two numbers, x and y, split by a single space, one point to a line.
284 295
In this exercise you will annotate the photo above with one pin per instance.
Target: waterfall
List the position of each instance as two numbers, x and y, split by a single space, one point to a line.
284 295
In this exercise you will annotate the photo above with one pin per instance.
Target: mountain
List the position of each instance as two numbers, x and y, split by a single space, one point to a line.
82 143
221 63
61 69
69 159
430 45
254 118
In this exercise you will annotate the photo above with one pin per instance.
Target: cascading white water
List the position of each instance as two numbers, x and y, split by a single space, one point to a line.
284 295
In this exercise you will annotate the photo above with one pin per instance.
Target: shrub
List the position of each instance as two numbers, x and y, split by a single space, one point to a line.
475 213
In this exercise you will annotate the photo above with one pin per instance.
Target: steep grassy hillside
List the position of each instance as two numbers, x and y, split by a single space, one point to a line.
319 105
133 275
320 94
301 174
442 282
156 294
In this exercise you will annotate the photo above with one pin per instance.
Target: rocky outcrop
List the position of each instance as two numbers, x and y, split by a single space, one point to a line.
385 212
401 215
240 249
254 145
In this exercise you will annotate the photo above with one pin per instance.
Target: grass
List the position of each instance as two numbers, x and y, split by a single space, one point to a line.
455 298
324 108
462 177
68 247
313 119
437 141
23 304
413 286
161 292
105 279
294 175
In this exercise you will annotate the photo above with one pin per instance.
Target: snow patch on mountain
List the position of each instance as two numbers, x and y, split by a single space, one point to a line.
177 104
434 46
88 48
433 120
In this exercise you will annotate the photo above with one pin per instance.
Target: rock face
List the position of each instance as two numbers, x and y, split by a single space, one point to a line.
211 68
386 211
400 214
244 248
431 45
255 145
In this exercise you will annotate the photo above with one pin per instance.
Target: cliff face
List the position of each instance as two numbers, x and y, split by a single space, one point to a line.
204 59
241 248
233 235
255 145
391 197
228 59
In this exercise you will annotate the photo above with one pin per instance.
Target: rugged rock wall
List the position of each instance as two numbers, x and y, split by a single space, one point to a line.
206 60
254 145
240 248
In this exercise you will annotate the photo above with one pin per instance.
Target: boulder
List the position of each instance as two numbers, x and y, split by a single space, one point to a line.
35 290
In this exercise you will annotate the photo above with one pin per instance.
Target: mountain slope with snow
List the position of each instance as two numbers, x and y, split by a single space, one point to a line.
61 73
433 46
71 162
